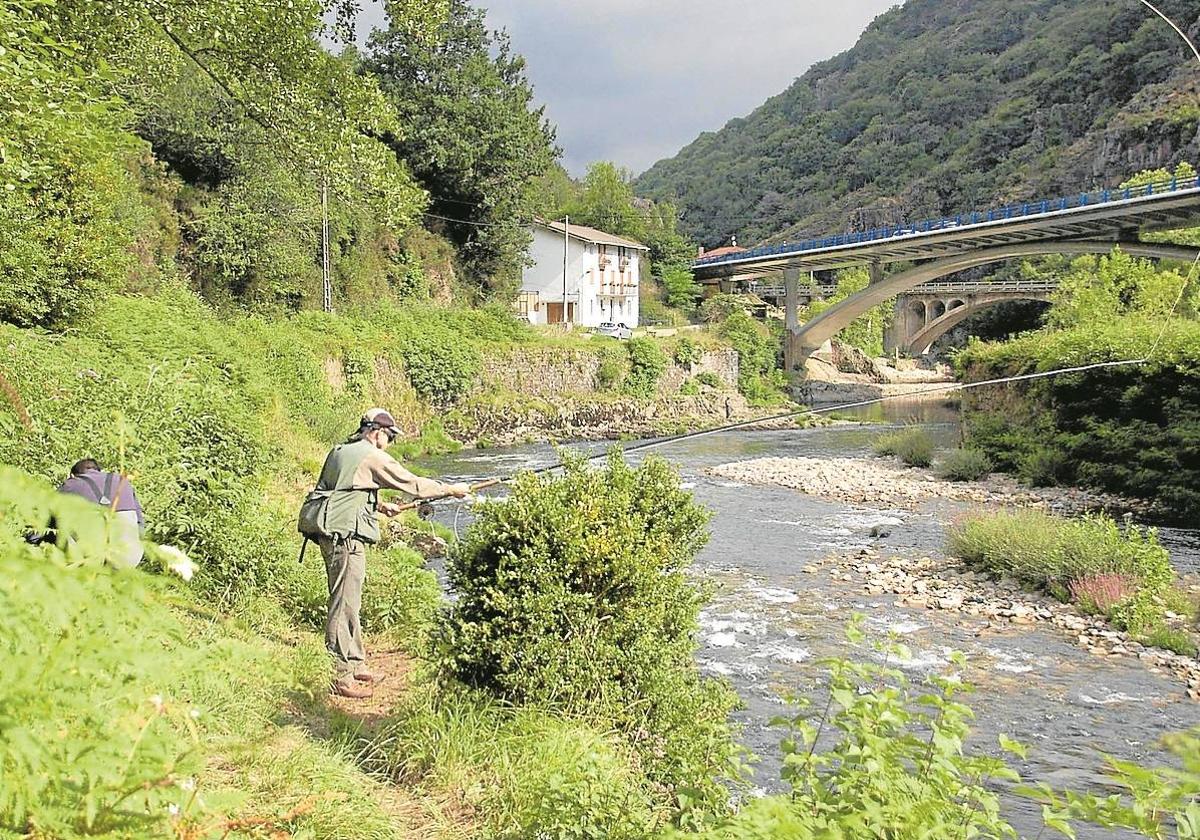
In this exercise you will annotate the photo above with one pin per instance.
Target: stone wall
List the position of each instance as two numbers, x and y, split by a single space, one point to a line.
551 372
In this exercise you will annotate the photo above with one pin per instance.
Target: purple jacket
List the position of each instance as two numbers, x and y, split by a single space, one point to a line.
93 484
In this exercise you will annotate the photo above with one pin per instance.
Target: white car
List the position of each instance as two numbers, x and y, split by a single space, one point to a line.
614 330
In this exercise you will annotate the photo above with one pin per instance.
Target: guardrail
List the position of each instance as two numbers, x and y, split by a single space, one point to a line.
1011 211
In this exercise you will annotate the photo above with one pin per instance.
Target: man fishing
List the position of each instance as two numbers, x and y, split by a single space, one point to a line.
341 515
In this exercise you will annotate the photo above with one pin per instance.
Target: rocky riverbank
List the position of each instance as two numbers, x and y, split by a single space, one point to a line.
939 584
888 483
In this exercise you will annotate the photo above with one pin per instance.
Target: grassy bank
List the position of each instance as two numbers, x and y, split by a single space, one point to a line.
1122 573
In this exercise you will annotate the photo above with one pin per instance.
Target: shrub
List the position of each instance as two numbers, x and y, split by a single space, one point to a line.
572 594
1044 467
718 308
759 377
440 365
708 379
912 445
1097 594
687 352
612 368
647 362
1050 551
689 388
964 465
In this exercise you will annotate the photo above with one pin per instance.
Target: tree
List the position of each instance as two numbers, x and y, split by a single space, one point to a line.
606 201
470 134
681 287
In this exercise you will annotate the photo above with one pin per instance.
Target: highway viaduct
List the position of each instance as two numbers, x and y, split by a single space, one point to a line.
1088 223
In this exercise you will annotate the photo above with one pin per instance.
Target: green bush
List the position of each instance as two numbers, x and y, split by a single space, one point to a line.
572 594
759 377
690 387
911 445
612 369
1128 429
647 361
1044 467
439 363
964 465
687 352
1050 551
708 379
1173 639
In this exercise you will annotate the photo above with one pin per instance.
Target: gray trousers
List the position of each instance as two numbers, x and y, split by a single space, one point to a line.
346 566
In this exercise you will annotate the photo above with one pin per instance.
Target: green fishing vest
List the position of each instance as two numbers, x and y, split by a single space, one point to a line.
336 509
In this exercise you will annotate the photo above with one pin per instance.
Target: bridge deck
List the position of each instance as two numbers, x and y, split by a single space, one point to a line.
1107 214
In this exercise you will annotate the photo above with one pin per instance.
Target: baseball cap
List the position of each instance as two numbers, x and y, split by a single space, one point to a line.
379 417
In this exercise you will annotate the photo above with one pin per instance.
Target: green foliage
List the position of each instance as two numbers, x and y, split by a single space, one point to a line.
680 287
690 387
438 363
1183 172
759 376
687 352
911 124
1174 639
1096 290
530 773
884 758
1130 430
647 361
964 465
1049 551
708 379
720 307
471 134
866 331
1044 467
912 445
572 594
1156 802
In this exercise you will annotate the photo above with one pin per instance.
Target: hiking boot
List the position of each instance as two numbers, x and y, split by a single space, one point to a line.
348 687
368 677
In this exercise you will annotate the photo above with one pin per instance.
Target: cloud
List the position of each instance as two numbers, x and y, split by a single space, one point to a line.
633 81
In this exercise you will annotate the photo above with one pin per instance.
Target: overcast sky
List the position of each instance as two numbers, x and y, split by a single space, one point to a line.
634 81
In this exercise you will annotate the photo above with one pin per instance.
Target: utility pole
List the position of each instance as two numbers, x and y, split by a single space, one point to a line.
566 254
326 283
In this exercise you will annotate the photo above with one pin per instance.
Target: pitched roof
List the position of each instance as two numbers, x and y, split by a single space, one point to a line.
720 252
590 234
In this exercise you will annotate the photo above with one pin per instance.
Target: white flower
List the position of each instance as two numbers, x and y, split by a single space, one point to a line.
194 714
173 810
178 562
188 784
156 701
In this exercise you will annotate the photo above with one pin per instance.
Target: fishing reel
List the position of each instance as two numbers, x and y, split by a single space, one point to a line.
425 510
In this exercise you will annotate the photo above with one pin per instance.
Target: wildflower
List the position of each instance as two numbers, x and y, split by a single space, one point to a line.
188 784
173 810
156 700
194 714
178 562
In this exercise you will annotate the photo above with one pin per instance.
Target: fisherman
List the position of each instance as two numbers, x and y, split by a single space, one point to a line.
341 515
113 491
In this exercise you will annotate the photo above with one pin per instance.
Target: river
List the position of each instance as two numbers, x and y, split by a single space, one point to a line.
770 620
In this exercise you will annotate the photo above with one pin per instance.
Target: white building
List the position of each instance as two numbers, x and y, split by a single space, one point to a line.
603 273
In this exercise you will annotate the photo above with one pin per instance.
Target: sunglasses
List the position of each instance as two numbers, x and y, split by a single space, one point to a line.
391 433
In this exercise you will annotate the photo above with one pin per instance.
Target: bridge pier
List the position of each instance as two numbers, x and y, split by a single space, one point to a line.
793 361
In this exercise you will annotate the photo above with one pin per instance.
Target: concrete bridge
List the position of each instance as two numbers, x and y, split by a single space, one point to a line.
1088 223
922 317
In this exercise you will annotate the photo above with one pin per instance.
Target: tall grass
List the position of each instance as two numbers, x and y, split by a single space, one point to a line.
911 445
1050 552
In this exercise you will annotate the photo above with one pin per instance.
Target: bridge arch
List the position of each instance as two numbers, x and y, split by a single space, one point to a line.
809 338
920 343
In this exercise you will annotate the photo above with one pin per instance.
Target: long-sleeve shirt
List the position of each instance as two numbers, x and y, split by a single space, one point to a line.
93 483
381 471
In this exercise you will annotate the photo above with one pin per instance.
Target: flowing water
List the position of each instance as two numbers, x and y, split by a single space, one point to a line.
770 622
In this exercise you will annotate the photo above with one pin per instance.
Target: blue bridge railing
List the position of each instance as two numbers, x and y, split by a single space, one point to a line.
1011 211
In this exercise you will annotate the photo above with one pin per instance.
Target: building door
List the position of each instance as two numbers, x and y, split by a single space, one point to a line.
554 313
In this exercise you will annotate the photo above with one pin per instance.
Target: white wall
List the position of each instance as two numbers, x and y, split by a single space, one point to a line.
600 295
